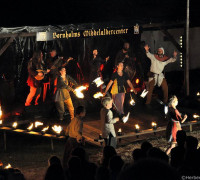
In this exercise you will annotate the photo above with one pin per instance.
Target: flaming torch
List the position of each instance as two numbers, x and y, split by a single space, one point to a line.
125 118
154 125
144 93
137 128
78 91
44 129
37 123
57 129
8 166
98 95
98 81
132 102
195 116
30 127
1 121
14 125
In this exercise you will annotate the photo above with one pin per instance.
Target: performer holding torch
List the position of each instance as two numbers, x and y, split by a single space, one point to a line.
118 80
62 96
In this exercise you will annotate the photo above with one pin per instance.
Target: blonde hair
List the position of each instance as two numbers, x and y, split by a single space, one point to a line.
172 100
105 101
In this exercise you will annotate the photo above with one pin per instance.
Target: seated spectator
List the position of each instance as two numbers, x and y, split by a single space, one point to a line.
55 170
88 168
151 169
145 146
137 155
75 128
74 171
102 173
74 131
11 174
108 152
158 154
177 153
115 166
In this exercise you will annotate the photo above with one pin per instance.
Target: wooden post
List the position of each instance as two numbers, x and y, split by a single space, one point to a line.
187 51
190 127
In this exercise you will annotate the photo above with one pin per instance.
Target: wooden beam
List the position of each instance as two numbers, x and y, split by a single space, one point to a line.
22 34
6 45
171 38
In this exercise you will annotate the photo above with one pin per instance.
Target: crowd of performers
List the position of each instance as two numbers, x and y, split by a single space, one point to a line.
61 84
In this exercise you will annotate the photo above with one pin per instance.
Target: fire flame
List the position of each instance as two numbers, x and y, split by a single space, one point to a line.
14 124
137 126
144 93
8 166
57 129
45 129
98 81
132 102
153 124
37 123
78 91
30 127
0 112
125 118
98 95
196 116
1 122
120 130
198 93
166 109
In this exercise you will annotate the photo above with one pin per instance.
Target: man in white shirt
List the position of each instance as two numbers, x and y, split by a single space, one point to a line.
156 77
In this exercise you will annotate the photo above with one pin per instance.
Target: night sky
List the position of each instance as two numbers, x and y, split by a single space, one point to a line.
37 13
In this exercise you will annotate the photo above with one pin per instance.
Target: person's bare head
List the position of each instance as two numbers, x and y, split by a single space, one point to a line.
53 53
126 46
107 102
95 52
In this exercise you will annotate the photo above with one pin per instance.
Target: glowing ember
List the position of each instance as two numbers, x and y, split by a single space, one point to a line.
37 123
8 166
144 93
196 116
57 129
45 129
14 125
98 95
78 91
132 102
137 126
125 118
30 127
166 109
98 81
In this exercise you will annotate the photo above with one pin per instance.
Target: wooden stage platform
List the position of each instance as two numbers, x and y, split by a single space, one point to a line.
139 114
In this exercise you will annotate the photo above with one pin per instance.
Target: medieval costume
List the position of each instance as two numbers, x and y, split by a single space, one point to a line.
34 65
62 96
156 77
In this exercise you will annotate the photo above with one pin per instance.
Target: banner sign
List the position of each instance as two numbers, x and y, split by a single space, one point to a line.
49 36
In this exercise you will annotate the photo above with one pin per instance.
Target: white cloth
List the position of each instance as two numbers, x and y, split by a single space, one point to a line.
157 67
158 79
